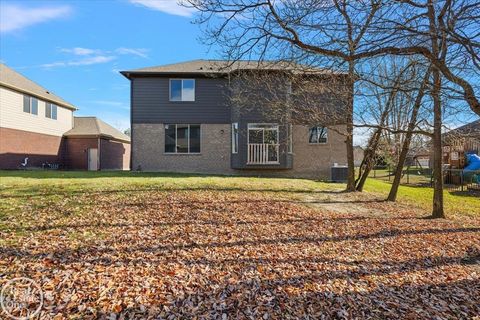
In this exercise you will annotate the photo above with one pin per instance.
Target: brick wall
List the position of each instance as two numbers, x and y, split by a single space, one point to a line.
309 160
15 145
114 155
148 145
76 152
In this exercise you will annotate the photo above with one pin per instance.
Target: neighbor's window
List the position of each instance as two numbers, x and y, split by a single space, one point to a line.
182 90
317 135
30 104
51 111
235 137
182 138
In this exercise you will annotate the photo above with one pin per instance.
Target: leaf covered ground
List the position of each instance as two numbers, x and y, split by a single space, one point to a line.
212 254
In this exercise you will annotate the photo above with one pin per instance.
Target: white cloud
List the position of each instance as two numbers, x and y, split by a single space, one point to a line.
86 56
141 52
110 103
82 62
81 51
14 17
167 6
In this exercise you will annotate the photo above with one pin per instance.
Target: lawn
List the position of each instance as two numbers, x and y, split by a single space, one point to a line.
147 246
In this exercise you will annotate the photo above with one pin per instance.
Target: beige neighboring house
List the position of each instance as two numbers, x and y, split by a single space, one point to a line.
35 127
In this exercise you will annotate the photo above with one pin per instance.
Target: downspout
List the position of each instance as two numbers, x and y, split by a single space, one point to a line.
99 154
131 125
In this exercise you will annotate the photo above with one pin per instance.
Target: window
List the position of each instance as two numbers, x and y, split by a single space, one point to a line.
234 137
290 139
317 135
51 111
182 138
182 90
30 105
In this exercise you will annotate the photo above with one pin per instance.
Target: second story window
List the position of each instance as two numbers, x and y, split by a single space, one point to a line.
51 111
317 135
182 90
30 104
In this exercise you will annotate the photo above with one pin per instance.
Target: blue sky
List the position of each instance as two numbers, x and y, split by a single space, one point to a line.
76 48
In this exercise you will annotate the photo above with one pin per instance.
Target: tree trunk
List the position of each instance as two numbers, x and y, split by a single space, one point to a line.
392 196
369 159
438 211
349 138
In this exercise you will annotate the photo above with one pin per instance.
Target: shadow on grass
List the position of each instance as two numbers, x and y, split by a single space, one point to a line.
38 192
59 174
269 299
83 254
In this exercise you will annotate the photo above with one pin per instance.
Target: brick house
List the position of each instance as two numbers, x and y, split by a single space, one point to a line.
39 125
183 120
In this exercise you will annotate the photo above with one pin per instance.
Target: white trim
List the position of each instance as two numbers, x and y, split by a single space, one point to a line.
181 89
234 138
290 138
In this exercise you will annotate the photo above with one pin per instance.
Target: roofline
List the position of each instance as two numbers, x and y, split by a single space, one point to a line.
8 86
130 74
89 136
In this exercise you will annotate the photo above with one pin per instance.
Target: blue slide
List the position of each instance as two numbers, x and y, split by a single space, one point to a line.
473 162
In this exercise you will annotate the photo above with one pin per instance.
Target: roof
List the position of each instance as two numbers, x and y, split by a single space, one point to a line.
471 129
223 67
94 127
11 79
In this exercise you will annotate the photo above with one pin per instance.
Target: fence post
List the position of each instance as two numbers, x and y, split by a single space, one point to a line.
461 179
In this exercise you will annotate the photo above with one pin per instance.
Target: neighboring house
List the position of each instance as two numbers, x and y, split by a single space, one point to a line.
108 148
460 141
38 125
182 120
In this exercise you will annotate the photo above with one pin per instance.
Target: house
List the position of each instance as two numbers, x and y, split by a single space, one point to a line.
38 129
184 120
459 142
95 145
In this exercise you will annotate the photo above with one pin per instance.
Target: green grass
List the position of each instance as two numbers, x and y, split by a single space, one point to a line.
422 197
47 188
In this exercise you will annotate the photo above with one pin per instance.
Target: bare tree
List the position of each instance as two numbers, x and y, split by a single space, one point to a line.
392 196
341 33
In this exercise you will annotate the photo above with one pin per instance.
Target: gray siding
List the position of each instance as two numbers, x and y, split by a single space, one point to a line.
151 102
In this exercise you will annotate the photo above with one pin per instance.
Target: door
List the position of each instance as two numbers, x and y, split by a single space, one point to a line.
93 159
263 144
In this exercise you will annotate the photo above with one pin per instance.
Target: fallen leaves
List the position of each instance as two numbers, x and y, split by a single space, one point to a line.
231 255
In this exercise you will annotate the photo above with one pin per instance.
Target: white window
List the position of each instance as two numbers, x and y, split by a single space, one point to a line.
51 111
235 137
30 104
290 138
182 90
317 135
182 138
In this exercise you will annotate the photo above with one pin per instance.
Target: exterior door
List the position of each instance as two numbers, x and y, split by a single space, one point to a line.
93 159
263 144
